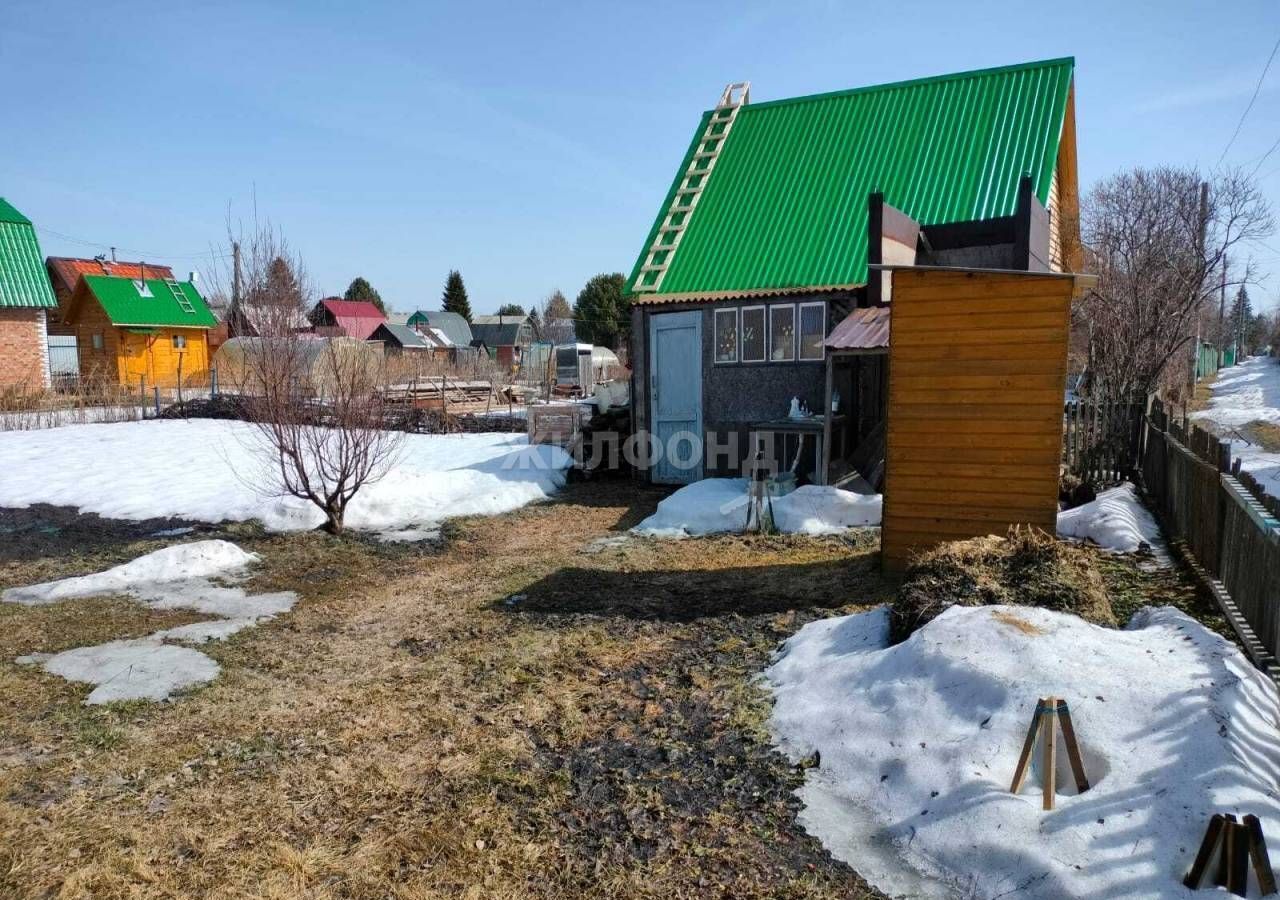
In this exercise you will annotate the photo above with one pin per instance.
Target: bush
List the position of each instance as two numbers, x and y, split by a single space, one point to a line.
1025 568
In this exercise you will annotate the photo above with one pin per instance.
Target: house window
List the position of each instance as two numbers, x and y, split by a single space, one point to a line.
179 342
813 329
753 328
97 341
782 333
727 335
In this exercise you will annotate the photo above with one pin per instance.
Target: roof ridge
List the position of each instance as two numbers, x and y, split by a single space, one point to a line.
913 82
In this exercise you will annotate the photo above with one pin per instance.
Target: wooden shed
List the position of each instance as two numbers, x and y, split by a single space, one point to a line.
763 242
141 332
977 368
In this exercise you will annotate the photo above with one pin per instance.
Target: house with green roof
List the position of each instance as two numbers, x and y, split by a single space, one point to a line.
141 332
25 301
780 213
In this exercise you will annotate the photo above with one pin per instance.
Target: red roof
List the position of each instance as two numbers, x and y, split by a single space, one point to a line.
65 271
862 329
358 318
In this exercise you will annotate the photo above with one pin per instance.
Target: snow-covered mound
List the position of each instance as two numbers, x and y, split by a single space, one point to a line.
918 744
715 505
211 471
199 559
176 577
1114 520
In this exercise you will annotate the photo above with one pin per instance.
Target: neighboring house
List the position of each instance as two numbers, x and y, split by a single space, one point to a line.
763 240
449 333
65 272
245 319
504 336
140 332
26 301
451 324
352 318
397 338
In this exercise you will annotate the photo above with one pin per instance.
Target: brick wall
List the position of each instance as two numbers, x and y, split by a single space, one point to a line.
22 348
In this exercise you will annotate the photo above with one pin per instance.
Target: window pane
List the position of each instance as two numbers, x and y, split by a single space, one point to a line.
782 333
753 334
726 335
813 326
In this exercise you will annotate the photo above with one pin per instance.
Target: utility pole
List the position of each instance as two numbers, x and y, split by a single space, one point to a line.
1222 309
235 272
1204 227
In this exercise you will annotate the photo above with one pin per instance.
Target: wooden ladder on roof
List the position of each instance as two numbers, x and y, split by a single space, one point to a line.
180 295
692 183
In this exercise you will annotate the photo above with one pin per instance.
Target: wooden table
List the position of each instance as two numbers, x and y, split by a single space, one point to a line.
802 428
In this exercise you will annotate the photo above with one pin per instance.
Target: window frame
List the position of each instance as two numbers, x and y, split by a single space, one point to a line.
177 345
822 337
764 333
736 312
795 333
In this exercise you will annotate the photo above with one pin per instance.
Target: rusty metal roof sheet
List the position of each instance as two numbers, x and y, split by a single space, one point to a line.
862 329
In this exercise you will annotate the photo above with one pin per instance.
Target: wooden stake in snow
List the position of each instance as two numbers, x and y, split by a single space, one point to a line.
1050 711
1235 844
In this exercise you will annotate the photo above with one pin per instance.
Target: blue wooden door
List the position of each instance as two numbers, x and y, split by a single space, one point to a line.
675 396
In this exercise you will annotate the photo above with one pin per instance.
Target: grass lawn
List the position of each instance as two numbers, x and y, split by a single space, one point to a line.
409 731
525 711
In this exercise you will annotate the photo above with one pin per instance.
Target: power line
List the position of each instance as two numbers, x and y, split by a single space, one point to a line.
1256 89
221 252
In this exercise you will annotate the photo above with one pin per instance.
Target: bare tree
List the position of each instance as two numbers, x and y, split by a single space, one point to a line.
1160 246
317 404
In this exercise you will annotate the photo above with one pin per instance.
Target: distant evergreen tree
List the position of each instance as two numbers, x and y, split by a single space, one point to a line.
602 314
359 289
511 309
455 296
535 320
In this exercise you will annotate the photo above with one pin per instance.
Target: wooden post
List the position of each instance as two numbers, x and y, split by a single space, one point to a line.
1222 875
1024 758
824 462
1261 859
1073 748
1050 750
1210 843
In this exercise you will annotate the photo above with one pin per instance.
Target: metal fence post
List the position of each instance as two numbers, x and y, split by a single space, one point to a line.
157 393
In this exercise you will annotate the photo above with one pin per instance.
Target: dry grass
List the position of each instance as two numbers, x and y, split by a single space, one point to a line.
1025 568
409 731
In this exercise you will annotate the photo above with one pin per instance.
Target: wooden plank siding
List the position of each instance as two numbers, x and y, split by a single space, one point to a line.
977 368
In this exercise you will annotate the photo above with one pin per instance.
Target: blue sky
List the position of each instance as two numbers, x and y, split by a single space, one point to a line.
527 146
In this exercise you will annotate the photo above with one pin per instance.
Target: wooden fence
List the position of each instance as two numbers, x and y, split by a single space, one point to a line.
1101 441
1224 520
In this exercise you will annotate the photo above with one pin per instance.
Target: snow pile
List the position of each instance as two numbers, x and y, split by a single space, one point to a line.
918 744
212 471
201 559
715 505
1114 520
175 577
1249 392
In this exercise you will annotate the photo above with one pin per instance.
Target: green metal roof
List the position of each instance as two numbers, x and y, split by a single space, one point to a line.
125 306
23 280
786 202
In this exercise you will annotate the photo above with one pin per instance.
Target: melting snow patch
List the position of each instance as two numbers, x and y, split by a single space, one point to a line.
409 535
144 669
171 578
715 505
1114 520
212 471
917 745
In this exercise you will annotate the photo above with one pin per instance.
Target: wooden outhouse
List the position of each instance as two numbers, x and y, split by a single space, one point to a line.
763 243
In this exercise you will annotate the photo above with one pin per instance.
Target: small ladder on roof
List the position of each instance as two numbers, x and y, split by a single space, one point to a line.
180 295
692 183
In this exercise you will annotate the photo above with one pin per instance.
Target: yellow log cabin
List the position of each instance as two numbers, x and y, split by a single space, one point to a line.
141 332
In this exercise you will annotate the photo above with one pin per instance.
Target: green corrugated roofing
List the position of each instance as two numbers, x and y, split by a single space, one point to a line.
125 306
23 280
786 202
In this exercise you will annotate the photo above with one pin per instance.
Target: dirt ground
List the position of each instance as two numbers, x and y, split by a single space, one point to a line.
536 706
523 711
